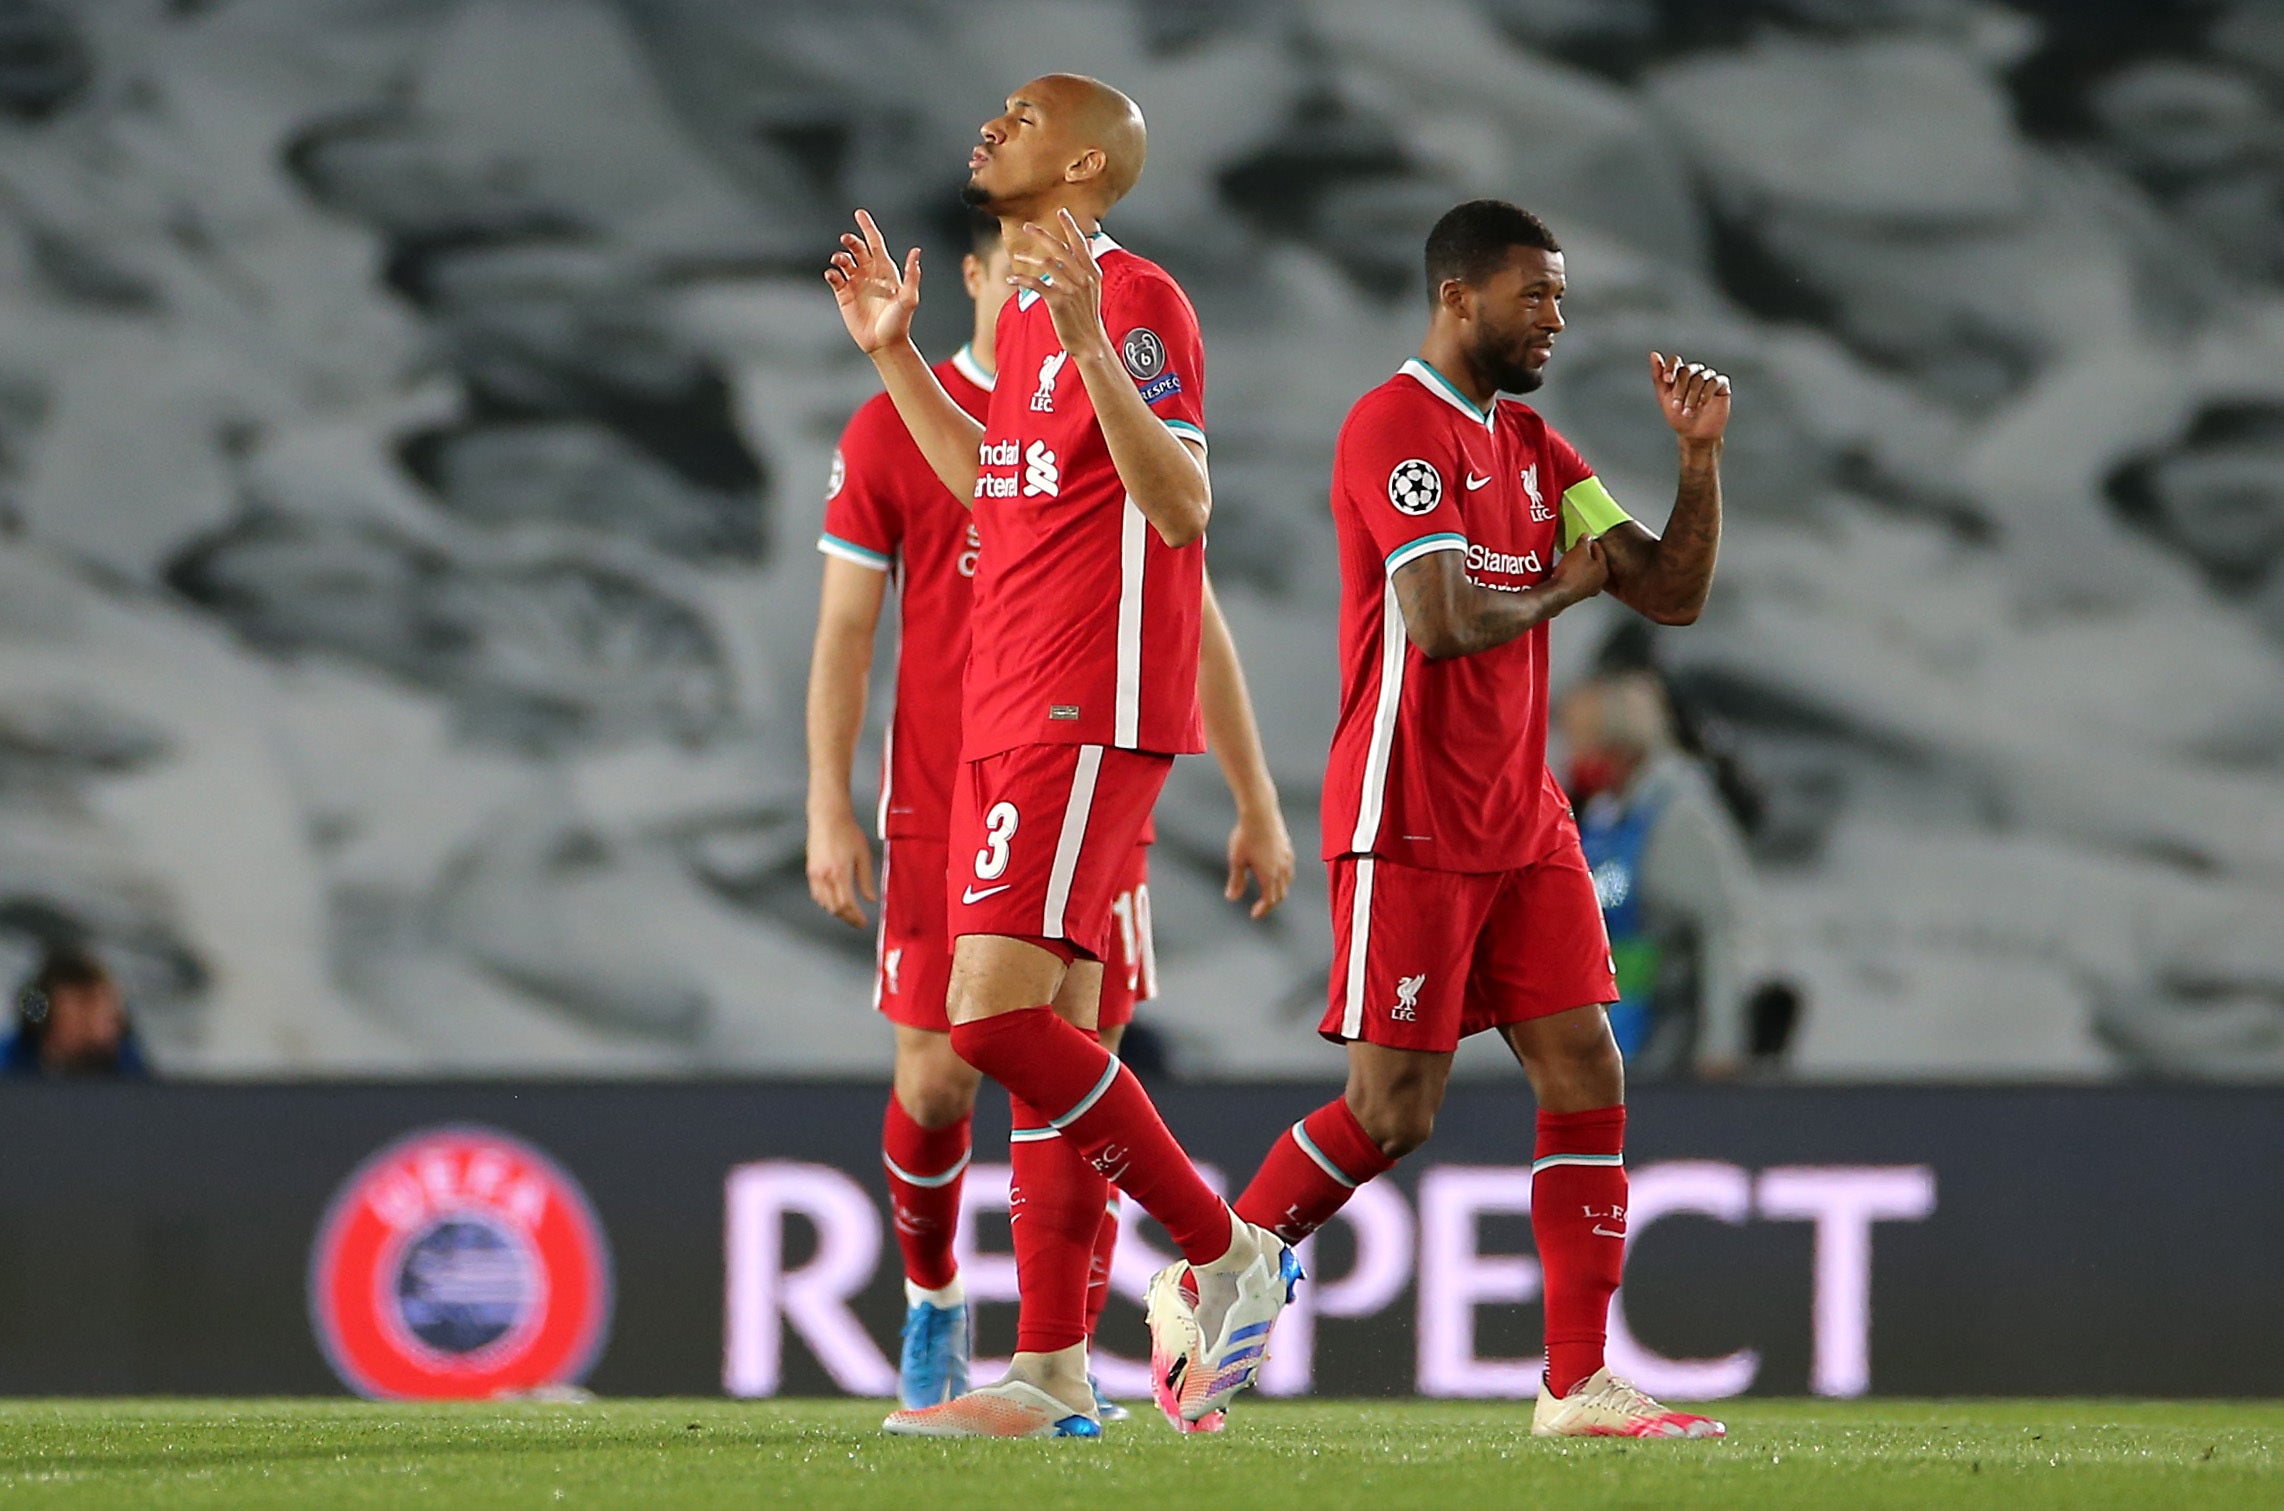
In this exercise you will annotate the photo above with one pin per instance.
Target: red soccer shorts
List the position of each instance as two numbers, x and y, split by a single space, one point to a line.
1042 840
913 968
1421 959
1130 970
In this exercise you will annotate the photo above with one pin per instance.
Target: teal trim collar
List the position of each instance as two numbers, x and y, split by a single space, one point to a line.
971 369
1442 387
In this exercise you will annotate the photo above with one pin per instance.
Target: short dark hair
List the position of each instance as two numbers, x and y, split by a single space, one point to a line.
65 967
69 965
983 233
1472 240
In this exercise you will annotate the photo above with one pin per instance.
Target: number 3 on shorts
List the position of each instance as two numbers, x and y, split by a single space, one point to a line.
998 829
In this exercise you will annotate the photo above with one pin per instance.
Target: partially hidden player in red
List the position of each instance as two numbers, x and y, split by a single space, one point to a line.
889 521
1090 494
1461 901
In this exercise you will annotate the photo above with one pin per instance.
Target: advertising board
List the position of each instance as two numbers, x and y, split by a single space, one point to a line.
1890 1240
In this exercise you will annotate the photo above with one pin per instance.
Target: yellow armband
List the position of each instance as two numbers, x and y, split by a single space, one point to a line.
1588 509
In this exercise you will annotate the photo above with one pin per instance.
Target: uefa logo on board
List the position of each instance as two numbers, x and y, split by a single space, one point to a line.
459 1263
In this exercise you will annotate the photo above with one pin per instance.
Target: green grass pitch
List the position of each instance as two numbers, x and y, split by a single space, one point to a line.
311 1455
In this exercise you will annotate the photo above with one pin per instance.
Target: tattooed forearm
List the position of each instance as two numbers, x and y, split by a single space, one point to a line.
1447 614
1667 578
1693 535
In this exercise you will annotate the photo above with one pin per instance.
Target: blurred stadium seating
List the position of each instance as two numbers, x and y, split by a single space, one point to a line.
414 415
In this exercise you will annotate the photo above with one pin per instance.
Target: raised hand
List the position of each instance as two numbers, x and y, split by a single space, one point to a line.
1056 263
876 300
1694 397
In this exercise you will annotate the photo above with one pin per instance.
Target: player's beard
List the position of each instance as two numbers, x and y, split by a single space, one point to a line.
1508 369
1002 203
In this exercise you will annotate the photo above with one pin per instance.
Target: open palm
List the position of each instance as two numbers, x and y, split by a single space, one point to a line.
876 299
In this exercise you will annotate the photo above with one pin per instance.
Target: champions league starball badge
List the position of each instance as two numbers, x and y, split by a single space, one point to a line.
1415 487
459 1263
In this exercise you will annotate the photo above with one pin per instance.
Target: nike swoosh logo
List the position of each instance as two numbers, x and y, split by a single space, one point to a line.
972 895
1474 482
1606 1233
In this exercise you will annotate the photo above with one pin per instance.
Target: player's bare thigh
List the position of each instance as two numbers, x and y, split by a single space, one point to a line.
934 1085
1396 1093
994 974
1572 1059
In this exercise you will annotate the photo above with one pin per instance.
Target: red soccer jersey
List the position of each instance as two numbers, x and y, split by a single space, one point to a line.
1086 622
1442 764
885 508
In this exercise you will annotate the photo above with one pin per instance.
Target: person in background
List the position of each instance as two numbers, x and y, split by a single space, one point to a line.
71 1020
1676 885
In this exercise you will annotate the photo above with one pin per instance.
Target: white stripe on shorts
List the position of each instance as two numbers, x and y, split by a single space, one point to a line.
1359 931
1149 943
887 781
880 935
1372 800
1071 840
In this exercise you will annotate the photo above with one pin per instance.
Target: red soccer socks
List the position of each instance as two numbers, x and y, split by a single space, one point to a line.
924 1170
1311 1171
1095 1103
1098 1271
1578 1220
1054 1215
1578 1212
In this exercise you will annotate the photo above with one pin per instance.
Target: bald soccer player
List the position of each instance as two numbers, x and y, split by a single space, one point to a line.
1088 482
889 522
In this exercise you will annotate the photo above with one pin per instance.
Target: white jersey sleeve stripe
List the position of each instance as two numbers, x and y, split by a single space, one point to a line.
1393 643
1184 430
849 550
1133 552
1426 545
1068 843
1359 936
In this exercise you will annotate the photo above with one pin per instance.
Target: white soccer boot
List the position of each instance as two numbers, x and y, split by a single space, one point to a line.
1172 1304
1209 1340
1604 1406
1011 1409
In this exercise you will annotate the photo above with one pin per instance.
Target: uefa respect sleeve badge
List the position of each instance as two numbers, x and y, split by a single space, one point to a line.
459 1263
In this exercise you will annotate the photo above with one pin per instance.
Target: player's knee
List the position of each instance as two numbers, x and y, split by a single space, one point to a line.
1605 1066
966 1001
935 1085
1592 1071
1398 1122
938 1099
